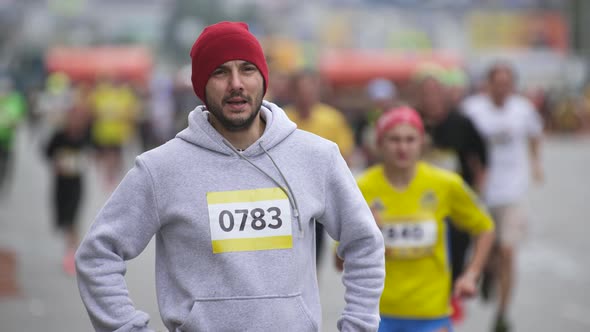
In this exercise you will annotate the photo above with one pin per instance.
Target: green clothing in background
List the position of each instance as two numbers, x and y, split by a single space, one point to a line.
12 110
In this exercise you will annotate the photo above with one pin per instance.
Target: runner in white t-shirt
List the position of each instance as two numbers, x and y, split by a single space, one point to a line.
512 129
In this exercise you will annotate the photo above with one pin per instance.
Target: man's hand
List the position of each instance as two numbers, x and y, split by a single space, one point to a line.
466 285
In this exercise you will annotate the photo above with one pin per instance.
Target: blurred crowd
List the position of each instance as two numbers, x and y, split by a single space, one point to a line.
117 112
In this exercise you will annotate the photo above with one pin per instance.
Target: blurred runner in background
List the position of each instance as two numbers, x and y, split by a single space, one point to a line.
382 95
411 201
512 129
279 89
453 144
158 121
456 85
12 112
184 98
52 105
115 108
65 153
323 120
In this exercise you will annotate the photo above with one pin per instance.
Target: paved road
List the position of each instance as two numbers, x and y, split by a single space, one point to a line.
553 285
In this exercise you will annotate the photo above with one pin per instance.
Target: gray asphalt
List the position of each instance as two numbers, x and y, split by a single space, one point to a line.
553 286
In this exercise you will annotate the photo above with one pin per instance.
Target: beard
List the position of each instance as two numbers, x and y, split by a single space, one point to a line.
238 124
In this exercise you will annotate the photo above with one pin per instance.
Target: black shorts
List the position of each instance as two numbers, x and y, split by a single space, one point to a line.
67 195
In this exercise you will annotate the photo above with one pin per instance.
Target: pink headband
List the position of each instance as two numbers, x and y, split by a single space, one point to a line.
398 115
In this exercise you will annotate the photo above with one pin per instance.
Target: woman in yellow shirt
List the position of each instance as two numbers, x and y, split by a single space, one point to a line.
411 201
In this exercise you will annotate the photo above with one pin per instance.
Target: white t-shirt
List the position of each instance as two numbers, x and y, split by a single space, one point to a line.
507 131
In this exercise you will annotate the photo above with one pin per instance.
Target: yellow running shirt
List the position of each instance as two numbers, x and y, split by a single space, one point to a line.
326 122
116 110
417 271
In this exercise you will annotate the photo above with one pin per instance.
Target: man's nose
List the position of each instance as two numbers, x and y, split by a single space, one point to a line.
236 80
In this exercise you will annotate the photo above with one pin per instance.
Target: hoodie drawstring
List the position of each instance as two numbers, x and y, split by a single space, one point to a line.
287 190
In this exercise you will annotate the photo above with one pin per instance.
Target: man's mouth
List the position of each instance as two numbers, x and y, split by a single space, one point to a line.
236 101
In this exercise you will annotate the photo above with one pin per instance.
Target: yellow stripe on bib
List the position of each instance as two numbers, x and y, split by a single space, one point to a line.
255 195
252 244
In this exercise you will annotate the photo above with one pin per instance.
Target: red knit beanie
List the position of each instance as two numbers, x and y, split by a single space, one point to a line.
222 42
395 116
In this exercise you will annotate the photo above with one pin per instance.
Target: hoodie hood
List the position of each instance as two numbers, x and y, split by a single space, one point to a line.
201 133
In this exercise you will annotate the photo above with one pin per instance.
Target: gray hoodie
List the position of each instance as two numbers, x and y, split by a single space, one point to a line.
235 247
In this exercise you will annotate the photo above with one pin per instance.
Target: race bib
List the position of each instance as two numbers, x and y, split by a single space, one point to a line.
70 162
410 239
249 220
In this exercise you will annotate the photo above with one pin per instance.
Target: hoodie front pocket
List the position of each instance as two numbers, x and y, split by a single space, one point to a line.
254 314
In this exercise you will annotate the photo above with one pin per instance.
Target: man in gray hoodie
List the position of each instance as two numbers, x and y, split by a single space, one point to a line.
233 201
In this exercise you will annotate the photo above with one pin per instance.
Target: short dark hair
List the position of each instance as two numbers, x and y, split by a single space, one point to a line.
303 74
498 66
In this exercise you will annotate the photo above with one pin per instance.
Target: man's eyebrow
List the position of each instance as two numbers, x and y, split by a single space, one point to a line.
222 66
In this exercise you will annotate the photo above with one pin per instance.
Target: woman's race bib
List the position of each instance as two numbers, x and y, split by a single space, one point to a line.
409 239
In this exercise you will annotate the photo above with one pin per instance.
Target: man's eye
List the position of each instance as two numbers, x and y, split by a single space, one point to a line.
249 68
217 72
